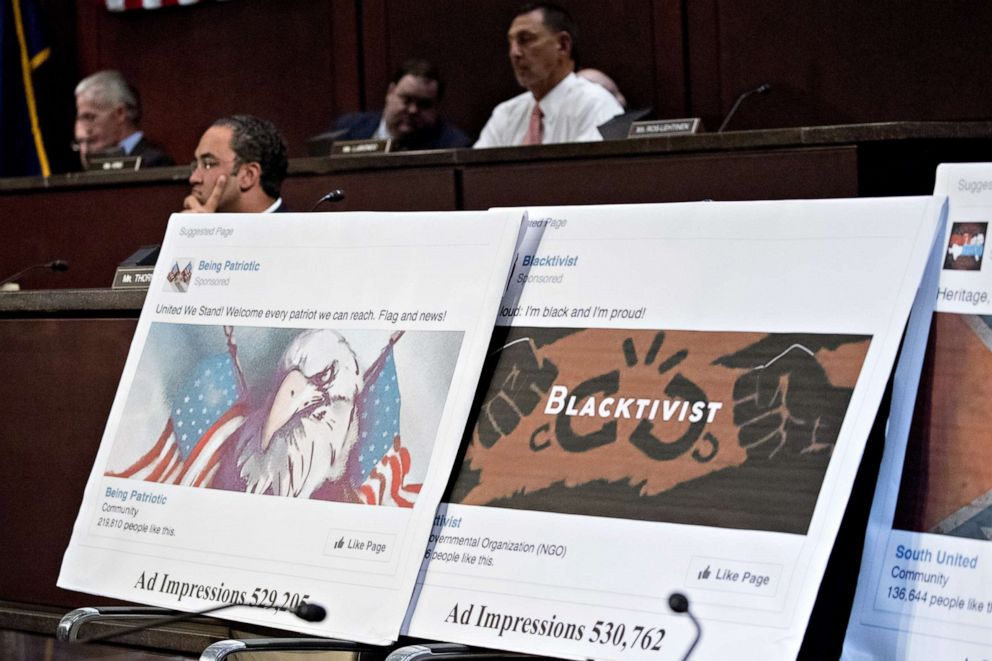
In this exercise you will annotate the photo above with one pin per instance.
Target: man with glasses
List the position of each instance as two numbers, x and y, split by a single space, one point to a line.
239 167
108 110
410 116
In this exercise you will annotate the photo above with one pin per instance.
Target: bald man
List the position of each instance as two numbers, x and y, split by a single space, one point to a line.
604 81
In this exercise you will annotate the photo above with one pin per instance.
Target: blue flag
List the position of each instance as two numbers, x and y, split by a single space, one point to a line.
379 413
23 51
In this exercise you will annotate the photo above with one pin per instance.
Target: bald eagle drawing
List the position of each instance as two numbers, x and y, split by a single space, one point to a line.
303 435
309 436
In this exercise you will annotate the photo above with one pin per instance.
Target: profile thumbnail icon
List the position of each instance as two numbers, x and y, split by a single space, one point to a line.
179 277
965 247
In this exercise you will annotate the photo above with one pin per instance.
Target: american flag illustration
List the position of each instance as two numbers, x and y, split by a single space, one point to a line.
124 5
212 406
384 462
179 280
204 414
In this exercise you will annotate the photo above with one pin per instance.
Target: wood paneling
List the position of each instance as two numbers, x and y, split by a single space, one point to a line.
807 173
60 377
401 190
671 97
92 228
845 61
95 227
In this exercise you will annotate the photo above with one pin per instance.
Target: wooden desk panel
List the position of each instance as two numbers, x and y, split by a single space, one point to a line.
757 175
93 228
414 189
96 226
95 221
59 380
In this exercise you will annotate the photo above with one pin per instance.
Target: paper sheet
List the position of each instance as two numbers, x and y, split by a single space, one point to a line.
289 412
678 400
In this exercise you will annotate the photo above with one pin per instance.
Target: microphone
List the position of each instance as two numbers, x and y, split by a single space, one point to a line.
679 603
305 611
54 265
335 195
760 89
310 612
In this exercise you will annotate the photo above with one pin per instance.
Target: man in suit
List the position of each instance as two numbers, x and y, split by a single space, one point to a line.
108 110
411 115
239 167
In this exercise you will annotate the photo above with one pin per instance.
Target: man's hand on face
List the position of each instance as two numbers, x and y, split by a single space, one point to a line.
192 205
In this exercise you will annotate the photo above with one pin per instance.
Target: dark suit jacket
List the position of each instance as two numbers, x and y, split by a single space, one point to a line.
151 155
362 125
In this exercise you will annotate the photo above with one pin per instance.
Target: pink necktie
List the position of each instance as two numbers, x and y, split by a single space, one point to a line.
535 130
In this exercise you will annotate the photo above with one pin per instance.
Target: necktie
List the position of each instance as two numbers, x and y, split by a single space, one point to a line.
535 130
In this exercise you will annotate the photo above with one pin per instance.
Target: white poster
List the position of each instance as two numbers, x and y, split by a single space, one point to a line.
925 587
677 401
289 412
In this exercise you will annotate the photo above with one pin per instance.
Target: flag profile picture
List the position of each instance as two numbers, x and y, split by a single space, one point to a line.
179 277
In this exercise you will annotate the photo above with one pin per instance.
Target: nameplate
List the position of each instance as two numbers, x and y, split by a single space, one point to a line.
113 163
132 277
663 127
360 147
136 271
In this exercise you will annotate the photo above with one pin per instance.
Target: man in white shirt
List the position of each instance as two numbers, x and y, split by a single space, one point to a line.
239 167
558 106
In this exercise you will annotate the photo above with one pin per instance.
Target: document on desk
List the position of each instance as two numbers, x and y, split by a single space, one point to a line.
676 400
288 415
925 587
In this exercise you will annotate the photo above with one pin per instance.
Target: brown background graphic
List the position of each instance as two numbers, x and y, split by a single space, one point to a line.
758 464
948 461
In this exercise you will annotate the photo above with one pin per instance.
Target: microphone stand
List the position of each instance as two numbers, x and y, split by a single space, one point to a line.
761 89
679 603
305 611
55 265
335 195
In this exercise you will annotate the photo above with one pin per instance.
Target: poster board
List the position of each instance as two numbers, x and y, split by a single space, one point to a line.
288 414
923 591
678 399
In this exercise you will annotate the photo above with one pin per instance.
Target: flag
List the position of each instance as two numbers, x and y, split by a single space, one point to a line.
384 464
179 280
23 52
124 5
205 412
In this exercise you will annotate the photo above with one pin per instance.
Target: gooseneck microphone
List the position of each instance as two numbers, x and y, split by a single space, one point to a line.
335 195
305 611
679 603
54 265
760 89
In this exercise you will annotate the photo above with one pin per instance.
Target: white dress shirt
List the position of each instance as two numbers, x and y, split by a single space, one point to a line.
572 111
